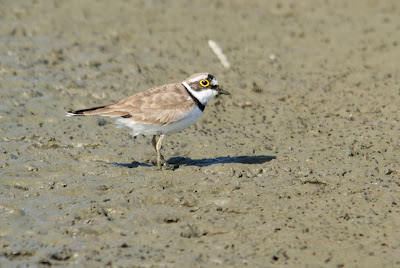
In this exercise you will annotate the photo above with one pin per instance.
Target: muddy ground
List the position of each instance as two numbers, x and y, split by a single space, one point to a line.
298 167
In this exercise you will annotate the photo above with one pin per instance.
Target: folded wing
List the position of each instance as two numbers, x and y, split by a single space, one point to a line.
157 106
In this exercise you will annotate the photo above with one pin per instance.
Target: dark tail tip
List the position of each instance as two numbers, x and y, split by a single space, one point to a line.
82 112
74 113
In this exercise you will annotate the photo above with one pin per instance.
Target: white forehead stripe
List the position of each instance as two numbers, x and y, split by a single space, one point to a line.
198 78
214 81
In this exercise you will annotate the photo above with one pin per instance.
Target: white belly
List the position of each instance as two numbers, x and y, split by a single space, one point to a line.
147 129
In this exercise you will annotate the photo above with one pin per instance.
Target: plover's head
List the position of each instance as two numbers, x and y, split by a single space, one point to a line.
203 86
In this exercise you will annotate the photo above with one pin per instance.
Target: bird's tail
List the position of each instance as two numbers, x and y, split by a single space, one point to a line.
107 110
91 111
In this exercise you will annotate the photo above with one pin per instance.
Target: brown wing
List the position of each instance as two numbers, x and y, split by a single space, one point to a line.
158 106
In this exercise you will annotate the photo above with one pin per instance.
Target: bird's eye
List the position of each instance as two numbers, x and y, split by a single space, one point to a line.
204 83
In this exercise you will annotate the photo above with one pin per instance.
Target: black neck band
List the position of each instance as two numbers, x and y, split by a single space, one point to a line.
198 103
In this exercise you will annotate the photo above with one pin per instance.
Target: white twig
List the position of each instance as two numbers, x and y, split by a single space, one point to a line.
218 51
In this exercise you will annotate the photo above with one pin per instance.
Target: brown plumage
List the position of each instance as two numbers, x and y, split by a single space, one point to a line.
161 110
158 106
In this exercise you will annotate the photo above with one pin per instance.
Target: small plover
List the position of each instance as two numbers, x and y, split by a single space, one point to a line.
162 110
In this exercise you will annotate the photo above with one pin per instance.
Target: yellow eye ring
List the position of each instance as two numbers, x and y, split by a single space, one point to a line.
204 82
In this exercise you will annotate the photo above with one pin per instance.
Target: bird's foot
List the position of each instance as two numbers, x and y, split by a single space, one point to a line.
164 165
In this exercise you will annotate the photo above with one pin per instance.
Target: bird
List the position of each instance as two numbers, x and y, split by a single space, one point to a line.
162 110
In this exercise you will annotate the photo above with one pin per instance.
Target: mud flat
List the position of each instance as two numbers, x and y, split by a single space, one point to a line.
298 167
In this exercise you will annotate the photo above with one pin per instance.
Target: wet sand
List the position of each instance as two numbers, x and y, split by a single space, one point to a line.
298 167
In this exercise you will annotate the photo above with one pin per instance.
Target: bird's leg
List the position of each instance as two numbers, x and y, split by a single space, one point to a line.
160 158
154 142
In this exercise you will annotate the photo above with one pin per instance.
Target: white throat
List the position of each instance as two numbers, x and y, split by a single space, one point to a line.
203 96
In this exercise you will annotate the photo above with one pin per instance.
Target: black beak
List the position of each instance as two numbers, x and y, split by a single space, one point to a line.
221 91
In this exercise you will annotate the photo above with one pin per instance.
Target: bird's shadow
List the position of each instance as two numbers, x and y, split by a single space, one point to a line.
176 162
